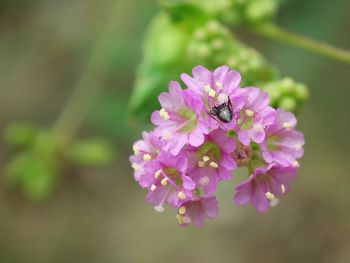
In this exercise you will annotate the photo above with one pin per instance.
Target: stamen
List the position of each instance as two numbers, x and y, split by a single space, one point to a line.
249 113
181 195
147 157
222 98
164 181
136 149
214 165
205 158
218 84
201 164
287 125
180 219
274 202
207 88
204 181
135 166
295 164
159 208
182 210
166 135
153 187
283 188
257 127
163 113
157 173
212 93
270 195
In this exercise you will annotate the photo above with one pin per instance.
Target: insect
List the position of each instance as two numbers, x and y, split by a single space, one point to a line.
223 112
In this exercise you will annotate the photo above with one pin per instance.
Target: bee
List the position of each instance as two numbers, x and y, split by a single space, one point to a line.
222 112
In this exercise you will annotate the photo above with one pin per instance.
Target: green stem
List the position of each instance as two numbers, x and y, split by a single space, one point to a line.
274 32
91 80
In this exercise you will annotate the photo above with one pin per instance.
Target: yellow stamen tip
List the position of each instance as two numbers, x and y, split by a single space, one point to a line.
283 188
207 88
205 158
147 157
249 113
287 125
136 150
164 114
135 166
159 208
182 210
270 195
212 93
180 219
218 84
181 195
204 181
295 164
201 164
214 165
164 181
157 174
153 187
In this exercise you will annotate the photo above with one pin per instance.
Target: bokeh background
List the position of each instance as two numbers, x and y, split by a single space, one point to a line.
99 214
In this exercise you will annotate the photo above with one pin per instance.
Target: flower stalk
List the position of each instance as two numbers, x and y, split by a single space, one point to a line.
276 33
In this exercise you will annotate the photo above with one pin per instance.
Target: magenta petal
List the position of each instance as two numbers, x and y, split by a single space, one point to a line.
259 200
188 183
244 193
220 73
231 81
196 138
210 207
203 74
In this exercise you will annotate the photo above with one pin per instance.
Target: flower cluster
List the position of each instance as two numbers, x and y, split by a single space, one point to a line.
203 133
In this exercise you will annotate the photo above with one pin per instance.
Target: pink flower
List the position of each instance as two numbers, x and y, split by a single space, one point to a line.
216 88
264 185
180 120
254 116
197 210
283 143
145 150
212 162
203 133
167 181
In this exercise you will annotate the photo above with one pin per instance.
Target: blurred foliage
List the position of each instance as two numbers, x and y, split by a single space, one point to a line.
193 32
40 155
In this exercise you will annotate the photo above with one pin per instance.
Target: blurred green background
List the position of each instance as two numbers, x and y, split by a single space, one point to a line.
99 214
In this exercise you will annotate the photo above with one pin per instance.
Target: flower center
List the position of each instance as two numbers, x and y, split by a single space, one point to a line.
272 143
191 119
246 119
242 154
209 154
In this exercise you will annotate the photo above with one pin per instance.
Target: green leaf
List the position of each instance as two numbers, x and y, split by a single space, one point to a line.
164 56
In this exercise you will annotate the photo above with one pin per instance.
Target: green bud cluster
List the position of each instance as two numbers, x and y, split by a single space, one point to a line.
195 32
235 11
250 11
213 45
286 93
